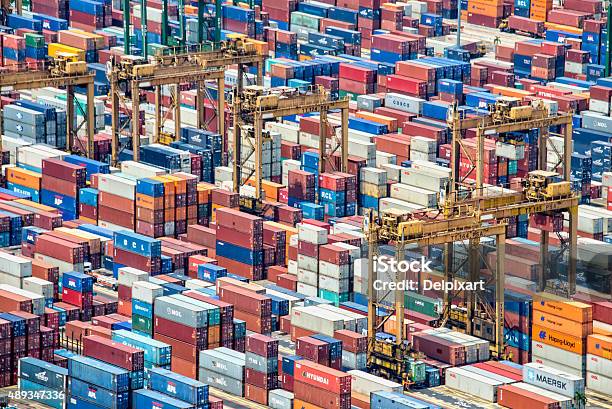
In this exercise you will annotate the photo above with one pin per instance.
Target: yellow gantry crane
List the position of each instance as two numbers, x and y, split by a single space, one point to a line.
469 213
66 72
129 75
252 105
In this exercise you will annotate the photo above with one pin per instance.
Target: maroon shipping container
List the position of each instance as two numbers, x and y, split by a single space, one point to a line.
567 17
308 249
260 379
525 24
392 43
225 198
59 248
104 322
262 345
27 217
136 260
113 353
47 220
184 333
63 170
245 270
321 397
438 348
352 341
313 349
261 324
14 302
602 311
204 236
255 394
5 329
181 350
416 70
240 221
240 237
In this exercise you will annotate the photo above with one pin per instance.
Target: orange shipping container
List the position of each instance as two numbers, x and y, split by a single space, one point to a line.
38 206
572 310
300 404
558 339
491 10
600 345
381 119
24 177
561 27
561 324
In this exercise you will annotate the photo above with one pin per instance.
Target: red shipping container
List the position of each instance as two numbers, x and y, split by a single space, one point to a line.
181 350
113 353
334 254
261 380
313 349
60 249
352 341
356 73
406 84
256 323
512 397
63 170
321 376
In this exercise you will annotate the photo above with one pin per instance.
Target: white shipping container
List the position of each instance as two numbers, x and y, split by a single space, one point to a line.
308 263
589 223
558 366
312 234
62 265
117 185
552 379
413 194
333 284
599 383
15 265
146 291
194 284
425 179
430 167
313 318
292 267
307 290
127 276
140 170
422 156
564 401
307 277
393 171
280 399
496 377
598 365
510 151
12 145
366 150
423 144
384 158
33 155
472 383
373 175
366 383
289 133
361 321
404 102
602 107
6 278
598 211
567 358
387 203
334 270
38 286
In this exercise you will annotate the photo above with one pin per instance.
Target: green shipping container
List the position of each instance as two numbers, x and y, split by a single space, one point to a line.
142 324
305 20
334 297
422 304
352 96
34 40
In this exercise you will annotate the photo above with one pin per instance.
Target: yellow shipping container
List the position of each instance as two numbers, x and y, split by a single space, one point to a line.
572 310
559 339
53 49
561 324
260 46
491 10
24 177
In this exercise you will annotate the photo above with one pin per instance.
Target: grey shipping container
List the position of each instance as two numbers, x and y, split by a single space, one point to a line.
182 312
280 399
25 115
221 381
216 361
260 363
354 361
23 129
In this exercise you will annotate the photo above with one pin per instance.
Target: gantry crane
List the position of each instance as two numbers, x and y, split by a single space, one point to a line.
254 104
131 74
469 213
61 72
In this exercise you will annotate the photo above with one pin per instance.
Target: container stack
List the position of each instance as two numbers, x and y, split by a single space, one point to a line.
254 308
150 207
372 187
334 273
126 278
357 80
239 245
88 205
143 298
135 250
178 387
599 362
332 194
25 182
39 376
184 326
335 350
306 266
240 330
117 354
156 353
77 290
224 369
301 187
314 350
321 386
86 15
559 335
60 186
13 51
365 388
110 383
116 201
261 374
